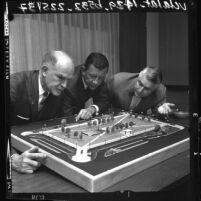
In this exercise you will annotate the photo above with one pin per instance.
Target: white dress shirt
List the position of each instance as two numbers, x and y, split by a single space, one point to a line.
41 91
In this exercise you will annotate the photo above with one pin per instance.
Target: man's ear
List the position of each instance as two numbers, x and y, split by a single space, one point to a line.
44 70
83 68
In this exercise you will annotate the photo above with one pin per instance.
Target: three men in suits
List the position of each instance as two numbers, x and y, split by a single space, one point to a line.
58 83
37 96
88 82
139 92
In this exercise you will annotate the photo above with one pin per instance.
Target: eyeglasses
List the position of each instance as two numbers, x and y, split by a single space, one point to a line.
95 77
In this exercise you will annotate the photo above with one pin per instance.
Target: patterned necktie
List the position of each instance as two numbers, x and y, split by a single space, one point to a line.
134 102
42 102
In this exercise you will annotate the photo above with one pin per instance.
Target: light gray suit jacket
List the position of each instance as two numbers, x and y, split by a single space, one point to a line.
120 88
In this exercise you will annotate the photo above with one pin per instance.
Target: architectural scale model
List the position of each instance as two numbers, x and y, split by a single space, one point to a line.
91 152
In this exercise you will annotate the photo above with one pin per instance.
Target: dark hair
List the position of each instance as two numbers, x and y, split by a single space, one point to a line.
153 74
98 60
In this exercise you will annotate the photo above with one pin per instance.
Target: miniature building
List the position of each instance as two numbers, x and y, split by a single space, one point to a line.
75 133
68 130
89 123
107 130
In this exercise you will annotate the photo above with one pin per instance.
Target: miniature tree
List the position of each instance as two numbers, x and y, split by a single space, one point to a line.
126 125
68 132
81 136
112 129
76 133
99 120
131 123
107 130
63 122
68 135
103 120
62 129
112 117
121 126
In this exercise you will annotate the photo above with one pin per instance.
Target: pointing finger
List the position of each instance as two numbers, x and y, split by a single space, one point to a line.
79 115
32 162
33 150
36 155
171 104
27 171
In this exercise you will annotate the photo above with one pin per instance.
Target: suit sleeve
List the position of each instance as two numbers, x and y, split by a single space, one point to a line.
68 104
110 86
161 98
14 86
111 91
16 81
101 98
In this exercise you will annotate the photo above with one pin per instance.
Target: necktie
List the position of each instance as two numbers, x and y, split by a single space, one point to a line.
42 102
134 102
88 92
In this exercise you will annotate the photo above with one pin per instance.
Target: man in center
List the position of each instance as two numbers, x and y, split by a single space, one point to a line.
88 82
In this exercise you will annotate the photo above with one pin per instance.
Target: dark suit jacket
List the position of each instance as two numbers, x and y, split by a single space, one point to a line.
121 86
24 99
75 95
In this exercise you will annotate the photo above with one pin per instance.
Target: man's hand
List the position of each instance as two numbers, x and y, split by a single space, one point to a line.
28 161
86 113
166 108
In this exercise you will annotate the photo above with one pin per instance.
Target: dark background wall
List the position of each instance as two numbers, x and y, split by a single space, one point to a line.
159 39
173 47
132 42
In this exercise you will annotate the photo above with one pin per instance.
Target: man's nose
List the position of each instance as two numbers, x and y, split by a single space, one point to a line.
64 84
95 81
140 89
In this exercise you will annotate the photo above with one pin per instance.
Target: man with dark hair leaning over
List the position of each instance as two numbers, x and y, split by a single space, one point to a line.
88 82
36 96
139 92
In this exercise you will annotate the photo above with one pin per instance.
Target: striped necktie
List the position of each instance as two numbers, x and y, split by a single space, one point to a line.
42 102
134 102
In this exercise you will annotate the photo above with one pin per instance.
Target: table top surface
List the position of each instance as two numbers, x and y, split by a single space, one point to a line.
152 179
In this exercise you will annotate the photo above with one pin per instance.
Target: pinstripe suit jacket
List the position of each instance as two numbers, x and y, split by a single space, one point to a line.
24 97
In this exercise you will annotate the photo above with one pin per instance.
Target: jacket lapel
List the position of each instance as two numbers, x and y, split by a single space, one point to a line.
33 94
78 90
145 104
48 111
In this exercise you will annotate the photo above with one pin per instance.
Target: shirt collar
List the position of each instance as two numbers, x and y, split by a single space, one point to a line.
40 88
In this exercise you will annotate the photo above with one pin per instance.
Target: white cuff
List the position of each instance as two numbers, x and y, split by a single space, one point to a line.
96 107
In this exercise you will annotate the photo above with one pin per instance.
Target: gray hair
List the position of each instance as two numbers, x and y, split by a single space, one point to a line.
153 74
